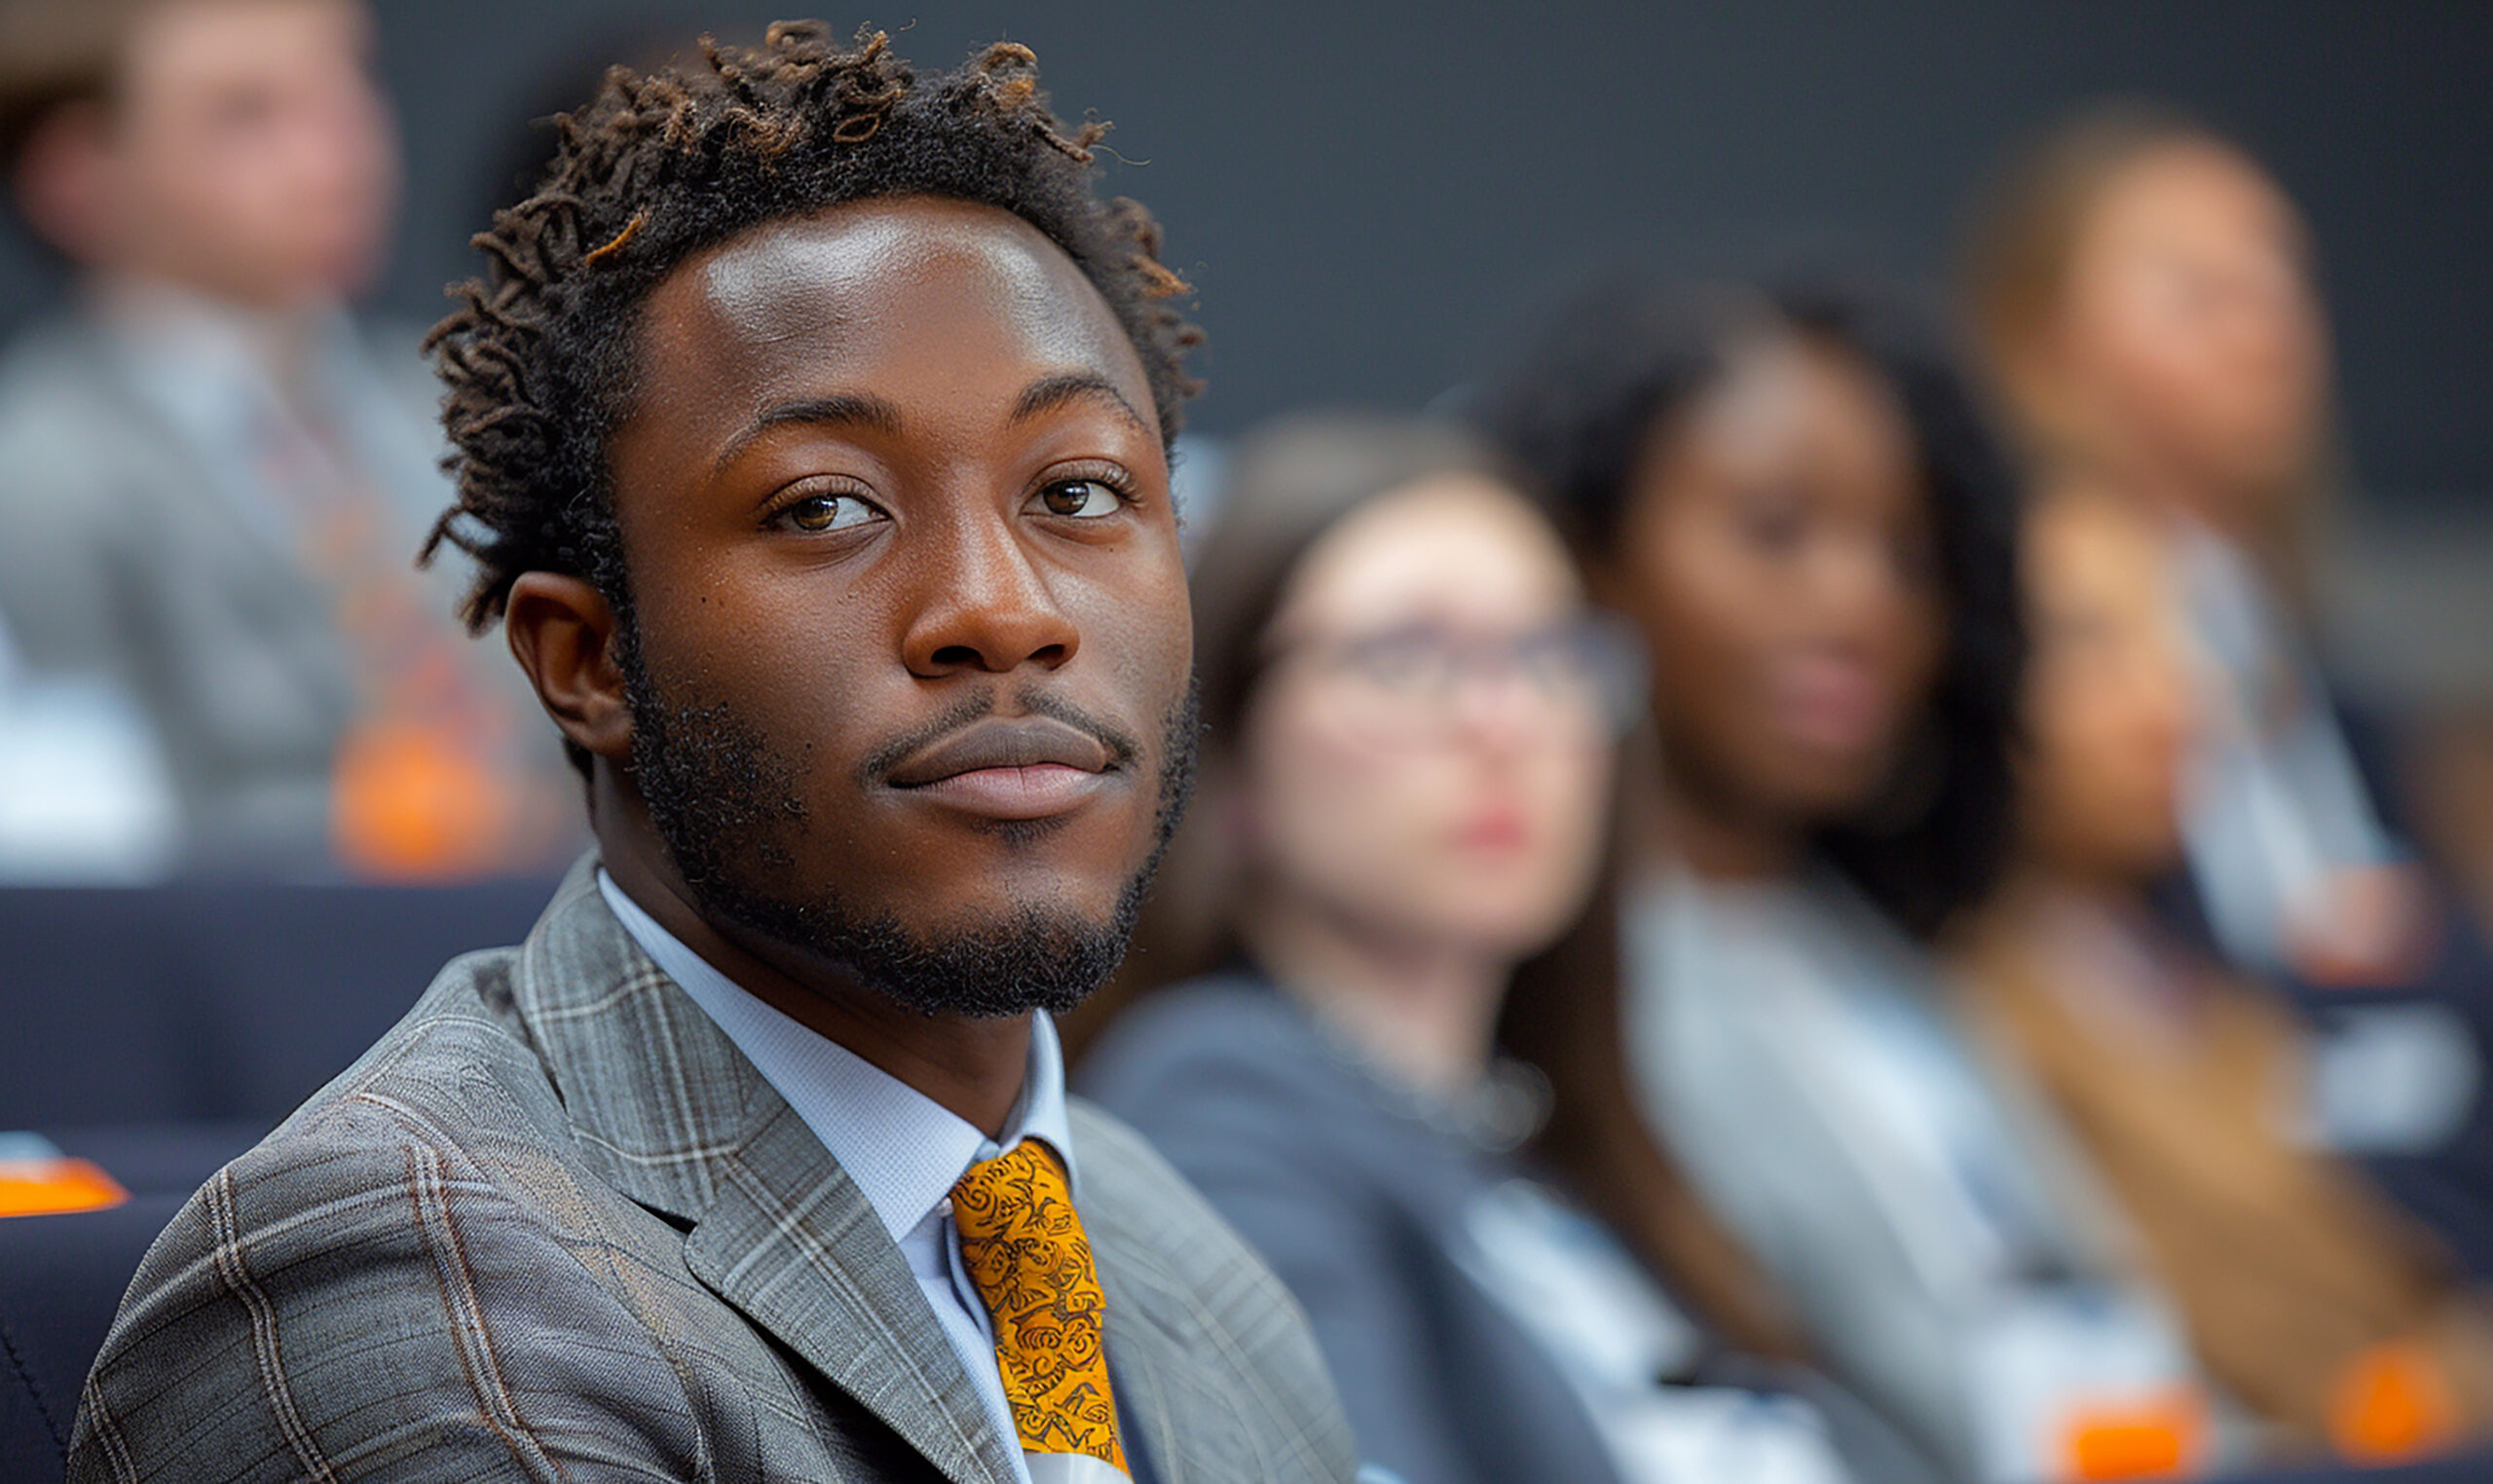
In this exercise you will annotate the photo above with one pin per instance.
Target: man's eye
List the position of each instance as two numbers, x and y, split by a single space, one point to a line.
1080 499
817 514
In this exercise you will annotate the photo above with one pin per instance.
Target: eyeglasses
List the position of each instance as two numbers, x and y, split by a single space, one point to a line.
1581 680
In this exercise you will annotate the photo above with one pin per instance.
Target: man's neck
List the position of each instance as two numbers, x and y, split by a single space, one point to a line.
972 1066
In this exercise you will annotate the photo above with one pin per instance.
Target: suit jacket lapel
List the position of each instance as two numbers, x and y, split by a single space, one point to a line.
794 1246
1158 1353
676 1119
1142 1400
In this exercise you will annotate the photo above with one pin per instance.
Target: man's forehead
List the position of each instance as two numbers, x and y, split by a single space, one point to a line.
868 281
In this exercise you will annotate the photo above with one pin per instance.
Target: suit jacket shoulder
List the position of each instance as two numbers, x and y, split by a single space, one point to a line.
407 1279
555 1226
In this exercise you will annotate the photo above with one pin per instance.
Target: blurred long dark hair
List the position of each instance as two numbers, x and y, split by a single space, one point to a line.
1579 410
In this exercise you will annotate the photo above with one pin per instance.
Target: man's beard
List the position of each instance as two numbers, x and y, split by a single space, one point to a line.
724 802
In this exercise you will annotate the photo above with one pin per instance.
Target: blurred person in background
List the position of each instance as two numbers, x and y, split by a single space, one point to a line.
2308 1297
212 482
1410 719
2144 293
1794 500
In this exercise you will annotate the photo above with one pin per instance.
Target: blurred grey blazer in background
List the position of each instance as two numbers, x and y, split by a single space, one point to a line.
555 1226
139 543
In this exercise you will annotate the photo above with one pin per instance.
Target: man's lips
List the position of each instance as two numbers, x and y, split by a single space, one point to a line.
1019 768
1001 742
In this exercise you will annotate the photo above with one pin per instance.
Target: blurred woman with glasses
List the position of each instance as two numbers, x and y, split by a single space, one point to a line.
1411 715
1793 500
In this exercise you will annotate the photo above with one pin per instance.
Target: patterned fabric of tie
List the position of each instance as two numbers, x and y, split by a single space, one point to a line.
1023 1248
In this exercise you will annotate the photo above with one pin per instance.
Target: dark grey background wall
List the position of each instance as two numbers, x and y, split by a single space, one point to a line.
1370 197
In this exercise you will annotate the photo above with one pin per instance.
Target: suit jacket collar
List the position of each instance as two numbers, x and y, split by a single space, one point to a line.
666 1109
901 1148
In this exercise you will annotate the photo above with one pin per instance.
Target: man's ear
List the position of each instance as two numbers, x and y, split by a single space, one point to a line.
564 633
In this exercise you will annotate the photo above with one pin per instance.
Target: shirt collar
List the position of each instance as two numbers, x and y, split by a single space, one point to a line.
902 1150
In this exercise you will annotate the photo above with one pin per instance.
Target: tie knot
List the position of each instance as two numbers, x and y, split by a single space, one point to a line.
1022 1192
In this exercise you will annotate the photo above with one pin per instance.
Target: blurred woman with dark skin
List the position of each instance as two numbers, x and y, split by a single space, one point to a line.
1802 514
1410 716
2144 293
2307 1297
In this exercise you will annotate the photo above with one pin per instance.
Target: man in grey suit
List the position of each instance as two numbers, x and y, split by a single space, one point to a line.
812 425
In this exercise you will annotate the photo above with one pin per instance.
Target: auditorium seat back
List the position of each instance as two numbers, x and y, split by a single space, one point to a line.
216 1001
60 1279
160 1031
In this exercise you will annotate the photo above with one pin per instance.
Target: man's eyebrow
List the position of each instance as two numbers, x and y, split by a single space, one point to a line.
852 409
1049 392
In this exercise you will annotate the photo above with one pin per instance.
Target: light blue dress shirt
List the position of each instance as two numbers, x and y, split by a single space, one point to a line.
902 1150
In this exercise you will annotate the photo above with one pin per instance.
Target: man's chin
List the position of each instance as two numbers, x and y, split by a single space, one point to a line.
988 966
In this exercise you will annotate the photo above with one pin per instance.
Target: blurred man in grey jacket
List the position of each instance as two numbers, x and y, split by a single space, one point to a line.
211 480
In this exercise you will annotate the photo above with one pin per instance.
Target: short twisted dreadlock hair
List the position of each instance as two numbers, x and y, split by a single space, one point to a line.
539 356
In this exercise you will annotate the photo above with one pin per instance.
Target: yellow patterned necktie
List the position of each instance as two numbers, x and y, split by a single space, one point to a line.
1023 1247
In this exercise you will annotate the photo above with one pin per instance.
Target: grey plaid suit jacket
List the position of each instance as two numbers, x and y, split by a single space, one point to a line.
554 1226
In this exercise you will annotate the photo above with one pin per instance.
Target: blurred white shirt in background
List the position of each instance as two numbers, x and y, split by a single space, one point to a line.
85 798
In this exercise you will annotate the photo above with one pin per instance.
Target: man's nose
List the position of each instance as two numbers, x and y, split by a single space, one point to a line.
985 607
